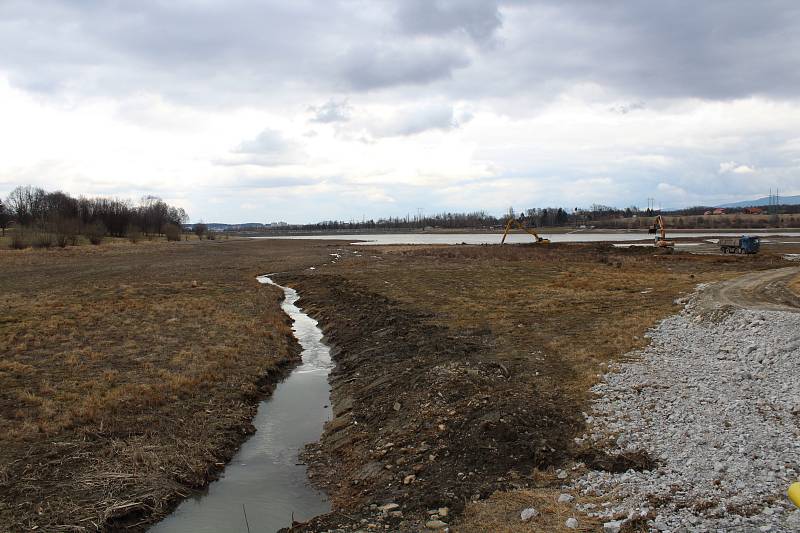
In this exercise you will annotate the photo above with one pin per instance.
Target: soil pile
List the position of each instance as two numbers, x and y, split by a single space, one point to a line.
424 416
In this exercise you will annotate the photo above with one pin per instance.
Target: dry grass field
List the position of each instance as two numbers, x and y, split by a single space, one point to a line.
129 373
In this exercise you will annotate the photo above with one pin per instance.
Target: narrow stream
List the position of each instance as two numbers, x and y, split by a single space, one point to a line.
265 476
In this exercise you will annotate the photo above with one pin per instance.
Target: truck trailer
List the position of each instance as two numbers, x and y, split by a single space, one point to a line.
745 244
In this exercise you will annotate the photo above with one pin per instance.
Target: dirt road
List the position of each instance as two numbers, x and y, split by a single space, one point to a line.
764 290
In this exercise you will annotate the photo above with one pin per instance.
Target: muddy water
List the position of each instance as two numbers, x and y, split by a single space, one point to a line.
264 475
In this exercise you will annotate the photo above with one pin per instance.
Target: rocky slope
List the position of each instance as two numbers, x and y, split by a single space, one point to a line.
715 401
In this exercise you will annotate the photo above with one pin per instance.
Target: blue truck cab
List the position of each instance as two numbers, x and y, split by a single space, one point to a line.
750 244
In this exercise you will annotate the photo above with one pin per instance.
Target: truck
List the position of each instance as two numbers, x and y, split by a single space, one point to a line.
746 244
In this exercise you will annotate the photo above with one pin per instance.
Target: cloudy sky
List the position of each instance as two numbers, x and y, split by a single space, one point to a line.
306 110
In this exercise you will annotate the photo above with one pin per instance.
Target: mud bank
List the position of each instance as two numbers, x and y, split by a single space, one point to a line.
423 417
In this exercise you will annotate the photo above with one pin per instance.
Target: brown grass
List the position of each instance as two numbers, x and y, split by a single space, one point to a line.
580 306
122 385
501 513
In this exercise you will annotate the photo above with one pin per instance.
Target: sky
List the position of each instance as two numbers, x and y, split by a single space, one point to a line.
259 111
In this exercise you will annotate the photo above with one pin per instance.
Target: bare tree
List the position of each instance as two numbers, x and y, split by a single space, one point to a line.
5 217
200 229
26 204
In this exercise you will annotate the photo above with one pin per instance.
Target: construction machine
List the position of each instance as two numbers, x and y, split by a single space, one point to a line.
660 232
518 223
746 244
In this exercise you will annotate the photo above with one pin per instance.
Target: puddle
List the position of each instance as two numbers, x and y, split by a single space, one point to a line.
264 475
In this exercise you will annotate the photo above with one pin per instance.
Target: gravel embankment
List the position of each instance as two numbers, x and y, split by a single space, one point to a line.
715 400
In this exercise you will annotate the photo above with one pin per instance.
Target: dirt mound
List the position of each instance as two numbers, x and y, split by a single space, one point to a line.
423 414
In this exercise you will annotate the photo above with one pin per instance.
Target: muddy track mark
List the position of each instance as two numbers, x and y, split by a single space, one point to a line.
764 290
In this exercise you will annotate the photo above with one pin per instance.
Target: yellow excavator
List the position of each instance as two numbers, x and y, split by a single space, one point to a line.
518 223
660 232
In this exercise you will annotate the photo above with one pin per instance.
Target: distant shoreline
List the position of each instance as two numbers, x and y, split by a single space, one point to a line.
543 231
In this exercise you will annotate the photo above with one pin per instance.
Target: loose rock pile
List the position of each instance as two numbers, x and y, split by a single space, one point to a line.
715 400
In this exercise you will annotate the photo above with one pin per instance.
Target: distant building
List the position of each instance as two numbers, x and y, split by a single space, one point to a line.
753 211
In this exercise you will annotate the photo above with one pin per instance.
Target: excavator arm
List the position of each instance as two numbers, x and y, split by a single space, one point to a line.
661 234
514 222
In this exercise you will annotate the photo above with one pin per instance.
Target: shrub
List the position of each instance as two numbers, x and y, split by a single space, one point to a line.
65 229
95 231
18 241
173 232
211 235
43 240
134 233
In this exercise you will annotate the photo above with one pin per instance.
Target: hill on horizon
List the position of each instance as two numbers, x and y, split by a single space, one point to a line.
758 202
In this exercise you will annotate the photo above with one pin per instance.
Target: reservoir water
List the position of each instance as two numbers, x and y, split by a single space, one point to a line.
494 238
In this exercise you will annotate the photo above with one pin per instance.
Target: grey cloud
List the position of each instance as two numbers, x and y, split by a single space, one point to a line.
387 65
237 52
331 111
624 109
274 182
217 51
480 19
267 149
418 119
680 48
267 142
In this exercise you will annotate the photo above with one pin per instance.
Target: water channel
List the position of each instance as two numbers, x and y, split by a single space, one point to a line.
264 479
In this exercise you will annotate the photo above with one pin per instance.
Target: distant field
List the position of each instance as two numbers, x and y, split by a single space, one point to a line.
5 240
705 222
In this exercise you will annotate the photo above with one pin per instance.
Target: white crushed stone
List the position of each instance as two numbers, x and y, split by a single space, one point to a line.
717 405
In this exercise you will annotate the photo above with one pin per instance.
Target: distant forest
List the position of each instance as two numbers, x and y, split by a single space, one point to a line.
43 218
599 216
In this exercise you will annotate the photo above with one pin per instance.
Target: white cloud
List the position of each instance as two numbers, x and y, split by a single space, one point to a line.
269 148
331 111
670 190
412 120
735 168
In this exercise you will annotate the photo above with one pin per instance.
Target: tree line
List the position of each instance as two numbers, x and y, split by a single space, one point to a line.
59 216
551 216
478 219
597 215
